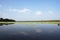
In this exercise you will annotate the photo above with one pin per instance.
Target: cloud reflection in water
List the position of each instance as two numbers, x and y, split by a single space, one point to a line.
38 30
19 33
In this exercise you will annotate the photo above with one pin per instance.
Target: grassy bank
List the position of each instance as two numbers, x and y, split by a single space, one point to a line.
7 22
33 22
38 22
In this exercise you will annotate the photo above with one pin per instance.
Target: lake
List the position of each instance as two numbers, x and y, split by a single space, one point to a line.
29 31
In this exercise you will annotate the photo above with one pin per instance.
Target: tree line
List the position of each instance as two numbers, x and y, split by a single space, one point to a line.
6 20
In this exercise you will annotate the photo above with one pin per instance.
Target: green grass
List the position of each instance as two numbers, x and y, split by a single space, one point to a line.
33 22
38 22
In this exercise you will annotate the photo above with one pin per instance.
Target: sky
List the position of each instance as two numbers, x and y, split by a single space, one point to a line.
27 10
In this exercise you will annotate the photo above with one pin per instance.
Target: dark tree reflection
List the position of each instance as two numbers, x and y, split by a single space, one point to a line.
1 24
58 24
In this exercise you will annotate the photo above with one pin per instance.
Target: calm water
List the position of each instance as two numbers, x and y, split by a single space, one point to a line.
30 32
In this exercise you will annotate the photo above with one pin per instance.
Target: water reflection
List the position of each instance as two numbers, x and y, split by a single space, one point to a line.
1 24
58 24
30 32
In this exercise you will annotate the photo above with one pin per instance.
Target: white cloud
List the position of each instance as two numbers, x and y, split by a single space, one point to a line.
0 5
38 13
50 12
25 10
12 9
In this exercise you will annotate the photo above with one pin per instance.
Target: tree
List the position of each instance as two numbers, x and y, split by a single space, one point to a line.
6 20
1 19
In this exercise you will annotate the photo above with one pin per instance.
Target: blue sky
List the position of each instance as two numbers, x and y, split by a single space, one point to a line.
23 10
